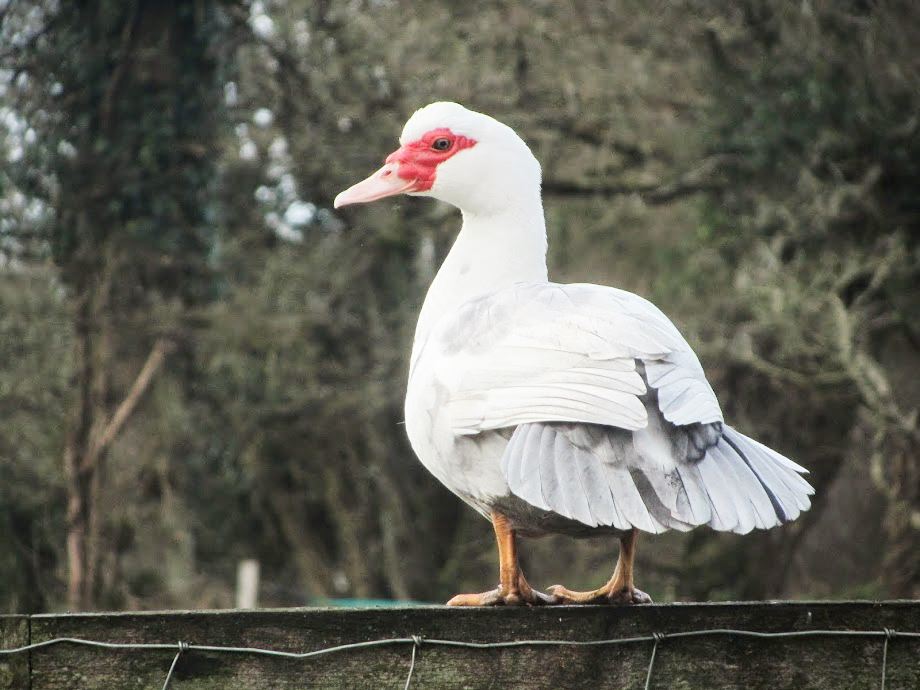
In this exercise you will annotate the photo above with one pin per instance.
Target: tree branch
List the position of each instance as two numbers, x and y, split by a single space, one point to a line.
703 178
121 66
161 348
590 134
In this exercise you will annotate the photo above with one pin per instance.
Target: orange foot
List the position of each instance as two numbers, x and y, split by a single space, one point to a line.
617 596
512 589
521 594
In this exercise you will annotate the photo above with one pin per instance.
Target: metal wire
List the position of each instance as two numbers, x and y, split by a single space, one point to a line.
651 662
416 641
183 646
889 634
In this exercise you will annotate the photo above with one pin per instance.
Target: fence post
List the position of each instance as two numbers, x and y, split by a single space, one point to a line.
247 584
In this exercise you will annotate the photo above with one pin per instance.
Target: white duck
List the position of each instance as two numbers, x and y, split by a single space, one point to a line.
577 409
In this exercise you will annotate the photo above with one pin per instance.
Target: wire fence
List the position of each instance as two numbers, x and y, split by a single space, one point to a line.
417 641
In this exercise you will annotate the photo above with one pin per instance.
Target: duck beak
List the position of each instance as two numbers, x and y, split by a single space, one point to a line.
383 183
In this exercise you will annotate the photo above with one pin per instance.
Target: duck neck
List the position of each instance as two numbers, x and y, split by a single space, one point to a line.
492 251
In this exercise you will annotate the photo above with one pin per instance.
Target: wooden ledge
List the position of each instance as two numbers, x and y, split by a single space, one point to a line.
715 660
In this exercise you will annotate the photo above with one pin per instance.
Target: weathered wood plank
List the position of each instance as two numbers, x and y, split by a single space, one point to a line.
819 663
14 670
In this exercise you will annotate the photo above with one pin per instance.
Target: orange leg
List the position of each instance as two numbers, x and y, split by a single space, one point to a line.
512 589
620 588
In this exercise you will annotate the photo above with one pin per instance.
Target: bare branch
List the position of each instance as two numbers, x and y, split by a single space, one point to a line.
703 178
590 135
125 57
161 348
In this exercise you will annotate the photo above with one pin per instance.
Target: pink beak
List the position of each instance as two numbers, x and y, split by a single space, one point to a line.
383 183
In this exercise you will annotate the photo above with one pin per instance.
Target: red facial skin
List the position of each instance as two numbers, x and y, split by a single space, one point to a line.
419 160
410 169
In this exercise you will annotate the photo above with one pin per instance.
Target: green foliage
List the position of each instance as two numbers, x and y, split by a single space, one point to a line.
124 159
762 193
34 401
121 108
818 107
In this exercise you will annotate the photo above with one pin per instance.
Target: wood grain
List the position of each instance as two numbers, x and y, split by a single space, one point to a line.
14 669
709 662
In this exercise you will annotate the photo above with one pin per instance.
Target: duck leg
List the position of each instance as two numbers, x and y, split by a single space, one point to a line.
619 589
512 589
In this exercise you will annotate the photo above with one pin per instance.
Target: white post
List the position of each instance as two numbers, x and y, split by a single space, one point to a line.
247 584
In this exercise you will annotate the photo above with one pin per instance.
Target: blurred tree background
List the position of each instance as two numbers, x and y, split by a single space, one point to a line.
202 362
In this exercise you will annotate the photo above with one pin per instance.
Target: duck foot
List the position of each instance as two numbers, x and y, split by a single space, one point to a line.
619 590
513 589
512 597
622 596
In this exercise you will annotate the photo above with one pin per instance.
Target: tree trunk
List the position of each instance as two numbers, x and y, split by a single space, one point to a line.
95 426
93 358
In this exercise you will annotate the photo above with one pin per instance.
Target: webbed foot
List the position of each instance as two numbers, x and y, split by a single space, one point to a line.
619 596
521 595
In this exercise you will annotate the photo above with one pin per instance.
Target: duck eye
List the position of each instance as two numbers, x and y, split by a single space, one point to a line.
441 144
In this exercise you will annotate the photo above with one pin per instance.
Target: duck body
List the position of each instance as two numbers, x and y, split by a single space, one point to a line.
627 432
577 409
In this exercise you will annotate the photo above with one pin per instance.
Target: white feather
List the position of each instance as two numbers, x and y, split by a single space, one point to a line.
497 346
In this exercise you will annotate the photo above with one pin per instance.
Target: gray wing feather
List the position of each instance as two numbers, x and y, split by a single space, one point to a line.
531 480
684 394
602 476
616 454
661 488
700 507
738 489
521 464
546 461
657 453
753 490
750 495
788 495
513 458
750 486
629 500
784 503
616 423
664 498
594 483
782 467
724 516
592 441
572 491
